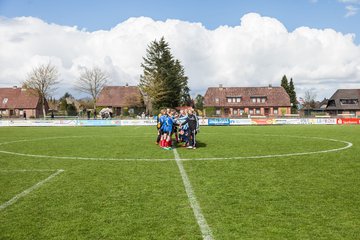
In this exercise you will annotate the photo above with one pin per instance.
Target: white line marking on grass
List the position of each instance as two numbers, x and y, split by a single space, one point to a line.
348 145
27 170
29 190
204 227
87 158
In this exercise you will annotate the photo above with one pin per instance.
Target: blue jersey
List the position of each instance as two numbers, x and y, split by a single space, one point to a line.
162 121
168 124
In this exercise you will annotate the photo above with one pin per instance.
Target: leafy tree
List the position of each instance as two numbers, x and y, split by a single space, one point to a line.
71 110
63 102
199 102
68 108
292 95
163 80
42 80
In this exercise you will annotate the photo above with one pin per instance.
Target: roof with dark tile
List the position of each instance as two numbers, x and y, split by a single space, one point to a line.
275 96
120 96
11 98
344 94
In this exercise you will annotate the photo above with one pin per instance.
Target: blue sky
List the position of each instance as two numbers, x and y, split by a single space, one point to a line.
96 14
311 41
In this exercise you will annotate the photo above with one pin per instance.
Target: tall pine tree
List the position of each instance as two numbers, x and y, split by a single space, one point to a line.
163 79
285 83
292 95
290 89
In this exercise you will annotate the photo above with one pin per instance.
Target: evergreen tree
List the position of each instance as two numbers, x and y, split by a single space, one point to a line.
163 79
290 89
285 83
292 95
71 110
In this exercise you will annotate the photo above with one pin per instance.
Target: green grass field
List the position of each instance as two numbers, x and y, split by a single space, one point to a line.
274 182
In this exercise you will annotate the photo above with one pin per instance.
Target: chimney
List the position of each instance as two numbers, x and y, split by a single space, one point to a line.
14 87
220 87
270 86
126 85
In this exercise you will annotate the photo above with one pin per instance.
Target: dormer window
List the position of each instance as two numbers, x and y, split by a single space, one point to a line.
5 100
260 99
348 101
217 100
233 99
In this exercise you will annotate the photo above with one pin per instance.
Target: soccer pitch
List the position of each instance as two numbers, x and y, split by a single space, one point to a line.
248 182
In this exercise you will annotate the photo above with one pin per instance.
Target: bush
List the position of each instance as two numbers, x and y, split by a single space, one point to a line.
210 111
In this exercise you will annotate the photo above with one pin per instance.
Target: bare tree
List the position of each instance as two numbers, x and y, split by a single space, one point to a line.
91 82
309 98
42 81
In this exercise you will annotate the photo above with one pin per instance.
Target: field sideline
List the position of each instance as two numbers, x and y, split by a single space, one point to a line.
256 182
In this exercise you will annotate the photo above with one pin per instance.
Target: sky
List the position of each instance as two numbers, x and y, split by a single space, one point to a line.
230 42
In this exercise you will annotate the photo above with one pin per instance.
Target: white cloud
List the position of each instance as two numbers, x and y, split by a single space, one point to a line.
256 53
350 1
351 11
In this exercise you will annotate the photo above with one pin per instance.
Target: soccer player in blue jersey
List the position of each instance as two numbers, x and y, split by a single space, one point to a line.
168 128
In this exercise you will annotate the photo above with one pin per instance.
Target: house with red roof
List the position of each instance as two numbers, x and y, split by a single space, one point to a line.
121 99
20 102
244 101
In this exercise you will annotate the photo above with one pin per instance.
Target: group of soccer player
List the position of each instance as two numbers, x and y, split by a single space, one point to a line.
184 126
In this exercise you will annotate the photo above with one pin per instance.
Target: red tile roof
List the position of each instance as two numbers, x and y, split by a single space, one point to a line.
18 98
120 96
275 96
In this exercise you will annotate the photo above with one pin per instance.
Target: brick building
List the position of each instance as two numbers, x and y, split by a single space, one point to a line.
14 102
122 99
243 101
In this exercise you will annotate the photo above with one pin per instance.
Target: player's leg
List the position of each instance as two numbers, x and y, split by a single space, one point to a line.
158 136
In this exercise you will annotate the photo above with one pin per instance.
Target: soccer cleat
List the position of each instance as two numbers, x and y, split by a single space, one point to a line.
194 147
189 147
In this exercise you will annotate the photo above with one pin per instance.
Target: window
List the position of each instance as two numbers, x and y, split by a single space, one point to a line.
217 100
238 99
235 112
131 111
241 111
251 111
5 100
258 99
257 111
234 100
348 101
275 111
218 112
229 100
